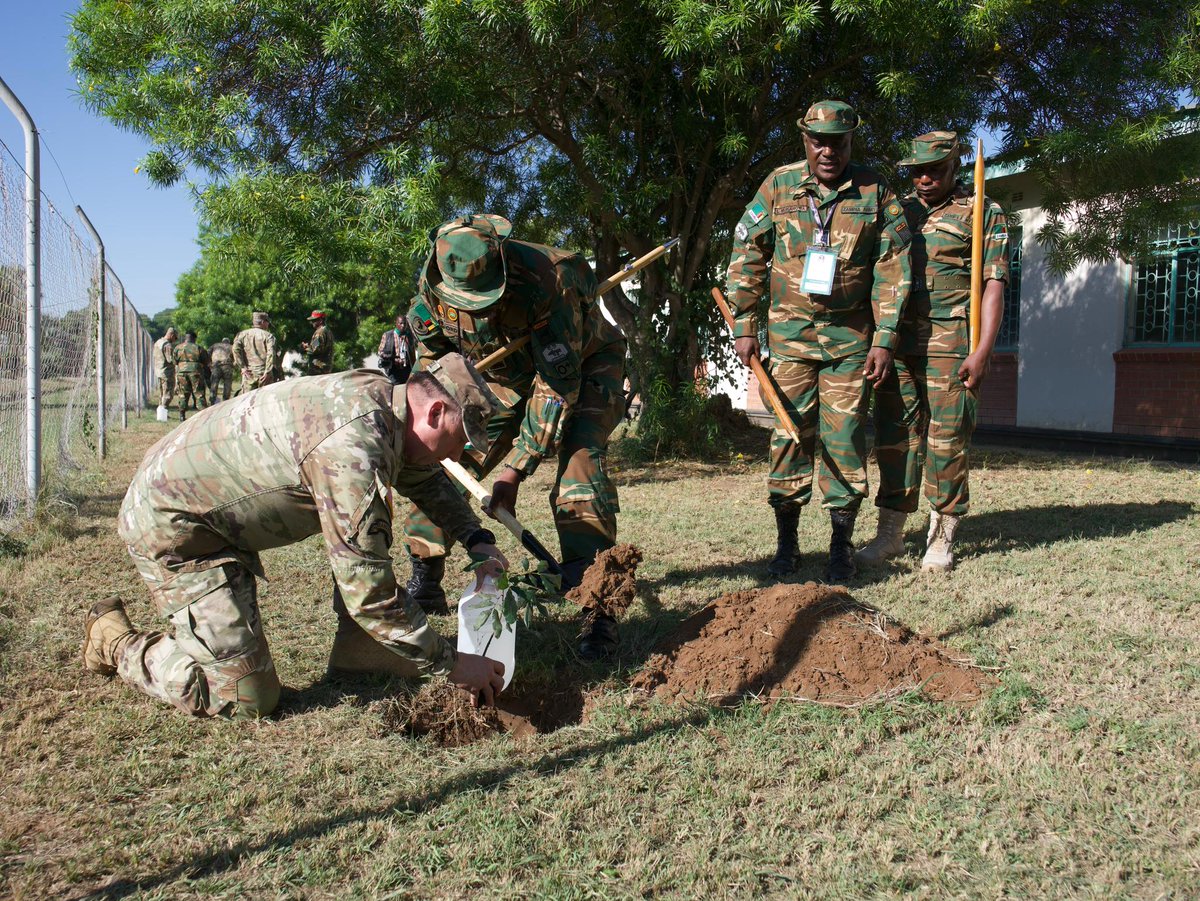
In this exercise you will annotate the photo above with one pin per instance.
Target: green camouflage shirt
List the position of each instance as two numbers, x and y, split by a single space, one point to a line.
320 351
221 353
871 237
287 461
188 357
550 295
935 321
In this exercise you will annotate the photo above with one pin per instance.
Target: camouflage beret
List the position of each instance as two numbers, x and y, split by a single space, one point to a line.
466 267
456 374
932 147
829 117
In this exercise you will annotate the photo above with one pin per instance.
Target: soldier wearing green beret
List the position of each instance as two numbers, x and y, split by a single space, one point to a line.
564 390
833 241
925 409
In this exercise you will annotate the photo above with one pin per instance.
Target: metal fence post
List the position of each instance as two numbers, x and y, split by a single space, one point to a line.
121 354
33 296
101 412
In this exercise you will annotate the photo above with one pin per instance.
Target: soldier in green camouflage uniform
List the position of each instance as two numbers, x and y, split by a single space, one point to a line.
189 374
255 354
220 356
835 241
318 353
564 390
925 409
164 367
307 456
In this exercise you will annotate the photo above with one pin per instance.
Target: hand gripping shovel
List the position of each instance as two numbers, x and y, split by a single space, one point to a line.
528 539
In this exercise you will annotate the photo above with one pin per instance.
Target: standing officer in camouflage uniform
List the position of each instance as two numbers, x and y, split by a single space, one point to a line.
479 291
318 353
220 356
164 366
926 407
255 354
215 493
836 243
189 367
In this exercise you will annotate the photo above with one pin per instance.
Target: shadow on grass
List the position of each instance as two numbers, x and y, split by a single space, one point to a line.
1008 530
985 619
224 859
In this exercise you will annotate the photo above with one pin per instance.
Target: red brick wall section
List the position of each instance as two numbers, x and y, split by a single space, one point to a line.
1157 392
998 396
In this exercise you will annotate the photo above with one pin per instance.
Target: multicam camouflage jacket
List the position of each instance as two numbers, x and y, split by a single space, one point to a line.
867 229
279 464
221 354
190 357
551 297
935 319
254 349
164 356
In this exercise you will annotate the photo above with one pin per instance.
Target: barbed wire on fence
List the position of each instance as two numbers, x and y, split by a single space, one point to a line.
70 310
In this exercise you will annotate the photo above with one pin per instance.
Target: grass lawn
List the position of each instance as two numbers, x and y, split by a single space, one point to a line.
1079 775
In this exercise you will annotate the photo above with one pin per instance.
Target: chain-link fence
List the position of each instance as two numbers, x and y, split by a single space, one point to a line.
73 406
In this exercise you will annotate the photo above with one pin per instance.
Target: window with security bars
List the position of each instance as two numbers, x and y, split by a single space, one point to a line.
1166 289
1010 325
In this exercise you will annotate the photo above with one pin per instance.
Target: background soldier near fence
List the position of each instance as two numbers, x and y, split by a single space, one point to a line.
164 367
220 357
836 243
925 409
189 373
255 354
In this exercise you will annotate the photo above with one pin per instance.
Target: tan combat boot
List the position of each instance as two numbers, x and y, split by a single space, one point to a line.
355 650
888 541
106 632
939 549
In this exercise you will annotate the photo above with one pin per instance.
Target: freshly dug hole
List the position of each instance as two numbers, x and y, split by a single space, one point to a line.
803 641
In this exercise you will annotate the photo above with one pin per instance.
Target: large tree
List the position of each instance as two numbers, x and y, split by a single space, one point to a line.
343 129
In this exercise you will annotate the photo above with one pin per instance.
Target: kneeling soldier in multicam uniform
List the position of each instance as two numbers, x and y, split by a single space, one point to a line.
926 407
287 461
836 242
479 291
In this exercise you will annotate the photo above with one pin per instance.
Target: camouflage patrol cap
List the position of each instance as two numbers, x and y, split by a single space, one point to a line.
466 267
456 374
257 316
932 147
829 117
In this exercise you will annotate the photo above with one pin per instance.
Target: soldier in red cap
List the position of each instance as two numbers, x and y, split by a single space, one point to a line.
318 353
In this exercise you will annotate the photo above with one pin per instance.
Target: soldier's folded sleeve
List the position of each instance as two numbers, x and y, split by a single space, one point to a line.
892 274
995 243
343 475
753 247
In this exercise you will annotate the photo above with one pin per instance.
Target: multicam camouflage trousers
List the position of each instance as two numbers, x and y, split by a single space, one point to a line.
192 391
924 416
217 663
829 395
166 388
222 378
584 499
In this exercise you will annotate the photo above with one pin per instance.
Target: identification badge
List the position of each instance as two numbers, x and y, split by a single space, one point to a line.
820 268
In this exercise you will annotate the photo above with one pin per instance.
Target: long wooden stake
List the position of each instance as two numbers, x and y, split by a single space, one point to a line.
764 379
977 248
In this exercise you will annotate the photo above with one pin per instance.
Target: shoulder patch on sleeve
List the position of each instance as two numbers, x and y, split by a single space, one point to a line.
756 212
893 209
422 319
741 232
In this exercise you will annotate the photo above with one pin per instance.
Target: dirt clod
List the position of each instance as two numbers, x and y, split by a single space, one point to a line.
808 641
610 583
442 712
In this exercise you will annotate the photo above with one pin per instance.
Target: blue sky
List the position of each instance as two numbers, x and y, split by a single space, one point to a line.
149 233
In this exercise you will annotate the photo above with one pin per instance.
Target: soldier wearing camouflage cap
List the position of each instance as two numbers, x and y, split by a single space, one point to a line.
164 366
925 409
833 242
563 391
301 457
256 355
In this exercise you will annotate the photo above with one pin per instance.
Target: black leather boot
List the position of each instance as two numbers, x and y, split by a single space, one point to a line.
425 586
787 557
841 547
599 637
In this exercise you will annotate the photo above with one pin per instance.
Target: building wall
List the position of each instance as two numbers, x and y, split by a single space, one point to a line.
1158 392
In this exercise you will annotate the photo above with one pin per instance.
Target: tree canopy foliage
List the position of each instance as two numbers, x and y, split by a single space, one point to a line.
339 131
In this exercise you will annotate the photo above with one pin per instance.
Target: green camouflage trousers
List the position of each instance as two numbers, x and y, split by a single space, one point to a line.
924 416
222 377
217 662
584 499
831 395
166 388
192 391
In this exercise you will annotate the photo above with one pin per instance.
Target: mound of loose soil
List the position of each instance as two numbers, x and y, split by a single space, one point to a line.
610 583
807 641
442 712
